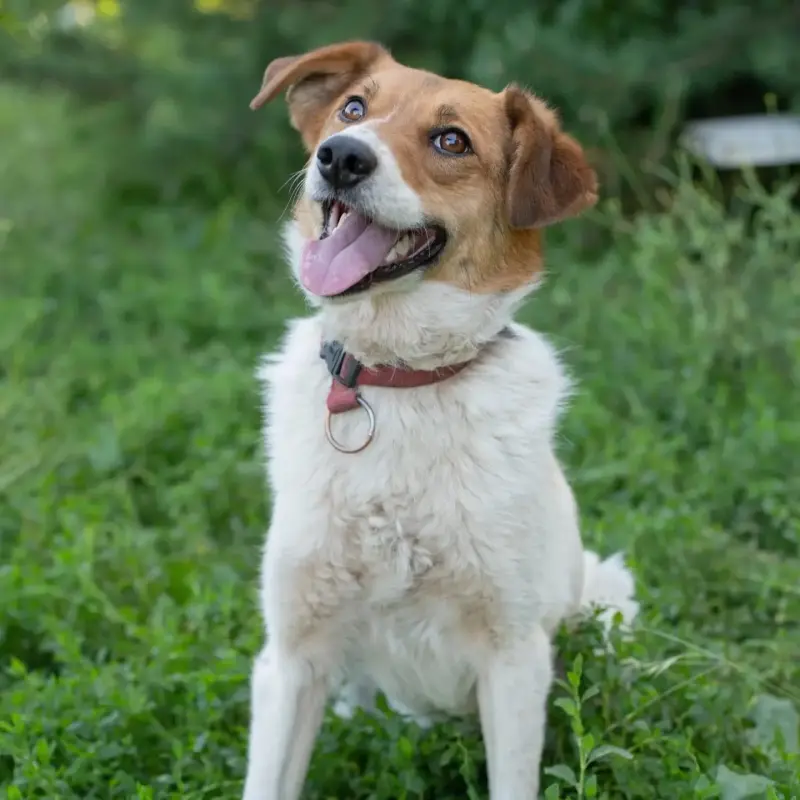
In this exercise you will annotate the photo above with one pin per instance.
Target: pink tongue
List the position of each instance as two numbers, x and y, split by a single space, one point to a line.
357 247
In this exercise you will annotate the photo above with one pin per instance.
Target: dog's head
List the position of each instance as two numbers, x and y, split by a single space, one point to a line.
415 179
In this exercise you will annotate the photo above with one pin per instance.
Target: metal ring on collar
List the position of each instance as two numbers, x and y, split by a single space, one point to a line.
370 433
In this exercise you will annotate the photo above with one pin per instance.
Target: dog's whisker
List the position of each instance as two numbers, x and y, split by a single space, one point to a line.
292 179
295 190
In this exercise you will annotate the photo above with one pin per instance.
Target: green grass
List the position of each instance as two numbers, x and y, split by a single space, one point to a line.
132 502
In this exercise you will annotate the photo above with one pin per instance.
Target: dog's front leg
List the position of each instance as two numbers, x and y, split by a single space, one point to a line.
304 603
288 702
512 692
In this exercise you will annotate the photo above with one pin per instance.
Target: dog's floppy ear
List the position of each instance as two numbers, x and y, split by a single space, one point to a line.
549 177
314 80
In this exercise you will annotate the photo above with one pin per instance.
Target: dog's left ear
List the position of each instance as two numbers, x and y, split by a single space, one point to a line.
549 177
314 80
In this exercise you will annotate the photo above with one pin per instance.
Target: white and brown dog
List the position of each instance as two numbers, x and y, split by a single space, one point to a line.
424 541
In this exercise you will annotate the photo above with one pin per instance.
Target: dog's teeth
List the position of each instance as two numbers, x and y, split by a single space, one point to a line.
404 245
342 217
402 248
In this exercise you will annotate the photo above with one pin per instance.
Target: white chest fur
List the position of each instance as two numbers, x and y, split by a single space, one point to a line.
437 539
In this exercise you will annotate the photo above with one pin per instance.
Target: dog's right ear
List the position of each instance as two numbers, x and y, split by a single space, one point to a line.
314 80
549 176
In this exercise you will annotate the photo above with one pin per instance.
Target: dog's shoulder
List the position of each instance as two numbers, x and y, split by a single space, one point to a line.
523 378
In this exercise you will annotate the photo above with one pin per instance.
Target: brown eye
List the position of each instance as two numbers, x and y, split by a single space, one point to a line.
354 109
452 143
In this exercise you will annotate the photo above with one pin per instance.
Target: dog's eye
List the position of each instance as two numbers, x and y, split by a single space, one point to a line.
354 109
452 142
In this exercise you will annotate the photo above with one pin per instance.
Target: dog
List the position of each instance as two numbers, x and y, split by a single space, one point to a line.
424 542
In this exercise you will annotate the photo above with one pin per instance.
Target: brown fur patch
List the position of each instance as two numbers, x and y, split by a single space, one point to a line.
524 173
549 177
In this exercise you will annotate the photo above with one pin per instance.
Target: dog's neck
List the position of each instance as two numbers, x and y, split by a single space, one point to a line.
433 325
421 324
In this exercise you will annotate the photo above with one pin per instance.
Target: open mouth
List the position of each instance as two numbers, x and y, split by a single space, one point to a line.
354 252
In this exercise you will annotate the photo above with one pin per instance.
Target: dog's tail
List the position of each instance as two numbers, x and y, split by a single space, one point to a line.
608 586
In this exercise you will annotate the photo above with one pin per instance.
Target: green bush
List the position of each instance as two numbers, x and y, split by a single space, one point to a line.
176 80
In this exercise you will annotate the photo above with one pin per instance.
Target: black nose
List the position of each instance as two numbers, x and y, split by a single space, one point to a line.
344 161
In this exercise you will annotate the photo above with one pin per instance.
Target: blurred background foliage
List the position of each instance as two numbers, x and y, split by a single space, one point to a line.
171 79
140 279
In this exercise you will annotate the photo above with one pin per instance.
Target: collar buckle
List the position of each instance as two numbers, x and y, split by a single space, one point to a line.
341 365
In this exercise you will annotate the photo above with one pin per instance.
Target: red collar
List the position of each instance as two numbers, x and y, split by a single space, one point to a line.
349 374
